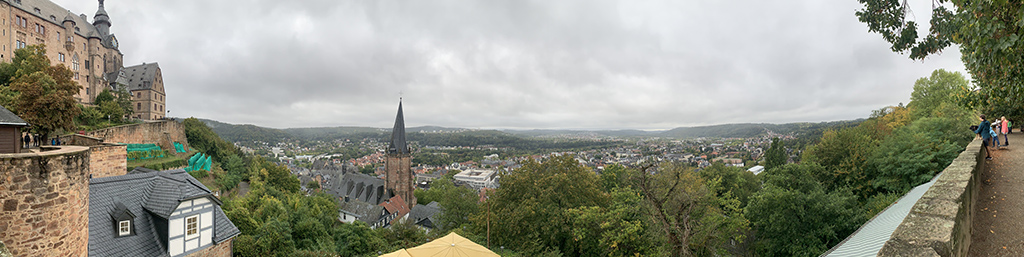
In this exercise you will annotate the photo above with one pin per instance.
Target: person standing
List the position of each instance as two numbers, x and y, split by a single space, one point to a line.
27 139
984 131
1005 130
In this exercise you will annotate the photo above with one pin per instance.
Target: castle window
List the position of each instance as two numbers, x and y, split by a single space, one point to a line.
77 30
38 11
53 18
192 226
124 228
17 1
60 57
138 106
74 64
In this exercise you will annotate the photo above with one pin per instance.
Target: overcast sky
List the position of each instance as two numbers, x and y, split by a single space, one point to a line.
516 64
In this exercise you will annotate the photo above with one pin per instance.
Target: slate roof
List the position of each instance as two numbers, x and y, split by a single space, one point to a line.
141 76
425 215
48 9
146 195
9 118
363 211
357 186
398 145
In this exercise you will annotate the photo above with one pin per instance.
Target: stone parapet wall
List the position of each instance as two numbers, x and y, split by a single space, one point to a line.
45 202
108 160
223 249
939 224
162 133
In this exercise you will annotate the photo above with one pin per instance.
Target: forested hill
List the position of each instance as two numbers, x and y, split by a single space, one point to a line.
747 130
433 135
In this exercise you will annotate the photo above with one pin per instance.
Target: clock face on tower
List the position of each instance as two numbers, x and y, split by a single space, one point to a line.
113 41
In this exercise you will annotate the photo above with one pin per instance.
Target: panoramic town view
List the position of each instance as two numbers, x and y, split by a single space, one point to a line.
511 128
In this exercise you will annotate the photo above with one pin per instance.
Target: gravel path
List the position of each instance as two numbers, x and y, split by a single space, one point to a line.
999 211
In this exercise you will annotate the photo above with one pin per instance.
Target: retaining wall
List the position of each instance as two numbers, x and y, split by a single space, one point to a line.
939 224
163 133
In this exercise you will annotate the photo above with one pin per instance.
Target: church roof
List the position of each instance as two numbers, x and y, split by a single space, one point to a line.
361 187
398 144
141 76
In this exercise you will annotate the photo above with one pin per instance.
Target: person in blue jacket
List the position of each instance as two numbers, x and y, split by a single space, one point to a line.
985 132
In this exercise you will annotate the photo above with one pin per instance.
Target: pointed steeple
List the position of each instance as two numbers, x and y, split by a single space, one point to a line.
398 145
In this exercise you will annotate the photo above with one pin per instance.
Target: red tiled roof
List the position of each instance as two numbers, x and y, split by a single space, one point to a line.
396 205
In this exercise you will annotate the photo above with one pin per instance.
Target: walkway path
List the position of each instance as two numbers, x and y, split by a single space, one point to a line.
999 210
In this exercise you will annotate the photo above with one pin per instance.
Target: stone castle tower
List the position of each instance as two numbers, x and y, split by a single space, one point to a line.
398 163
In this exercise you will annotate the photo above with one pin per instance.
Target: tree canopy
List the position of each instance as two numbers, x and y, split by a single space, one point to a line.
987 32
41 94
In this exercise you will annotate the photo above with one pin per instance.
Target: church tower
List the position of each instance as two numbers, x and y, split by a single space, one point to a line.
398 163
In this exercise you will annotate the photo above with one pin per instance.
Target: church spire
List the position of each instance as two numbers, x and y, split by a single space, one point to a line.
398 145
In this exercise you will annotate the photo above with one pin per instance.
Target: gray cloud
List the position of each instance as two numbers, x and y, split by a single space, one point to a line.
515 64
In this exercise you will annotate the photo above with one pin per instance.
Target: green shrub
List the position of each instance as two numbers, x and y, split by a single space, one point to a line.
198 174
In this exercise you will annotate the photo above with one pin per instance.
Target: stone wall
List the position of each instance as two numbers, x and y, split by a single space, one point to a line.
45 202
163 133
108 160
223 249
940 222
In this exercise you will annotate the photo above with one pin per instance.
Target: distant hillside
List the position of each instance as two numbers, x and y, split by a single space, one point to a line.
753 130
552 132
442 136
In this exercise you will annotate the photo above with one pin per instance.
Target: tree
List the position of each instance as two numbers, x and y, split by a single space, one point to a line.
116 105
987 32
46 93
733 181
843 154
694 220
934 96
795 216
621 229
776 155
528 211
457 203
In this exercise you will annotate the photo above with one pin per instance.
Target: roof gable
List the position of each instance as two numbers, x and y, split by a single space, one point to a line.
149 196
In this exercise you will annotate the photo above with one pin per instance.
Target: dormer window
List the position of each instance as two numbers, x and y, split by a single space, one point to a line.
122 220
124 228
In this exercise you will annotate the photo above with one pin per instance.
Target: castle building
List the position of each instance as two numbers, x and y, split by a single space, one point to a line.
398 163
88 49
146 84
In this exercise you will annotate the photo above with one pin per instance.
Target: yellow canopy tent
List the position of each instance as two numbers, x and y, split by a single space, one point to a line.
451 245
399 253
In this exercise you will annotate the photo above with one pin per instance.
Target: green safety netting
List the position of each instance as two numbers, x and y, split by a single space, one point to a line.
199 161
144 151
178 147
